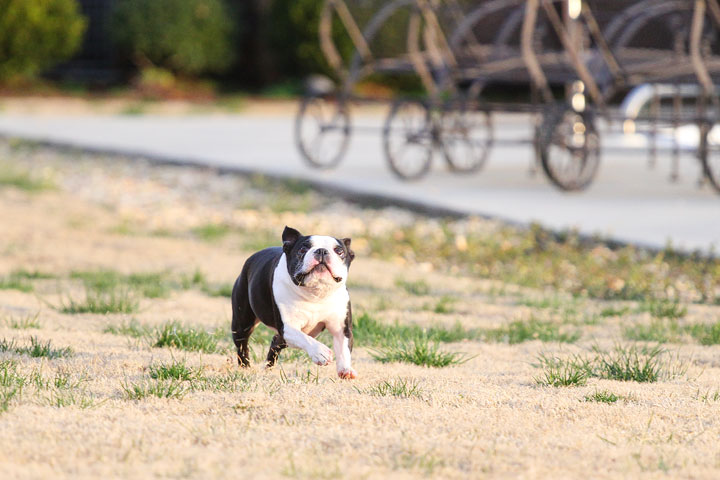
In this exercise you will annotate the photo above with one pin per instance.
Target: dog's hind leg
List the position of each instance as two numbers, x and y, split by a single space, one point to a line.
244 320
277 345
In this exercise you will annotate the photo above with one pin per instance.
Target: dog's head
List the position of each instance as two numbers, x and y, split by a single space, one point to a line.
316 260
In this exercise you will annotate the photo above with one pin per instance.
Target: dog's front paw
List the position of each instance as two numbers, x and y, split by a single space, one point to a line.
322 355
347 374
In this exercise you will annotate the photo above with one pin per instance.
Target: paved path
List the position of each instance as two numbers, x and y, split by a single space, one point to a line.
628 201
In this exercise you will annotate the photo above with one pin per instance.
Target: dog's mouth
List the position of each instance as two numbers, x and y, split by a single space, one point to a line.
319 268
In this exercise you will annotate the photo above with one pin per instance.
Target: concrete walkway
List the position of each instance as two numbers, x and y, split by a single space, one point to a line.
628 201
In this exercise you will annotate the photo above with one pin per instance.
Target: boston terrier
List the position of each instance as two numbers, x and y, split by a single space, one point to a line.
298 290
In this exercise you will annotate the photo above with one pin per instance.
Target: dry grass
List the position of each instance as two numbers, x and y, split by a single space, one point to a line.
157 393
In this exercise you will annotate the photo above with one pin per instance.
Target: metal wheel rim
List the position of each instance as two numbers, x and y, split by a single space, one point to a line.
323 132
408 140
711 163
467 138
571 156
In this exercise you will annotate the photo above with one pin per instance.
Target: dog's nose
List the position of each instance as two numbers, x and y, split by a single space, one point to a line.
321 253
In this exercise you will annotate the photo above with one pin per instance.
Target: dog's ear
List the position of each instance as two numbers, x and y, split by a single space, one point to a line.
289 237
351 254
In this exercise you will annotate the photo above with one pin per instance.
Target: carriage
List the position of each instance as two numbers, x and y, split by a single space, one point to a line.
576 59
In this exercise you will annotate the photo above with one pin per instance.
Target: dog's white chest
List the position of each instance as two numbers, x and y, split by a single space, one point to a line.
303 309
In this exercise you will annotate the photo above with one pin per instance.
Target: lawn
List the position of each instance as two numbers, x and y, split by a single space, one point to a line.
483 350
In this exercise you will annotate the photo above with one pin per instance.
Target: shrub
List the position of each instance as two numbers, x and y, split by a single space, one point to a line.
186 36
293 33
37 35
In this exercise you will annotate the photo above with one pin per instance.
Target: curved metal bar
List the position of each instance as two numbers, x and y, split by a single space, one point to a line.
635 24
601 41
416 58
647 7
577 63
327 45
714 8
465 28
356 68
353 29
458 14
436 34
329 50
701 70
509 26
528 53
639 96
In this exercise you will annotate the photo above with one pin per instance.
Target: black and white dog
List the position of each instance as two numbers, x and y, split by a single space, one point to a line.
298 290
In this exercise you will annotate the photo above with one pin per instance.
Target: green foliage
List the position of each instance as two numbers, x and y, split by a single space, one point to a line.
174 334
419 287
22 323
614 311
133 328
11 383
663 308
444 305
708 396
706 334
172 371
658 330
222 290
561 372
419 352
148 284
211 232
602 396
36 349
20 280
187 36
101 301
520 331
155 388
15 282
35 35
400 387
538 258
58 397
190 281
633 363
624 363
368 330
13 176
233 381
294 37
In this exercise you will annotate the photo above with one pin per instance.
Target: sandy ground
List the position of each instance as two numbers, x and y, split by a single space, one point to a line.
486 418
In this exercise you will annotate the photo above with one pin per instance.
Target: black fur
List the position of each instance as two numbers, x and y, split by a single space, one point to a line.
253 301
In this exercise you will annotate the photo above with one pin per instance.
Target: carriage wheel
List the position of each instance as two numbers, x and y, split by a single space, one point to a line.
322 131
408 139
710 156
466 139
569 149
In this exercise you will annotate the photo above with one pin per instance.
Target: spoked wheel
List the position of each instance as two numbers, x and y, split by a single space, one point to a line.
710 156
569 148
322 131
466 138
408 139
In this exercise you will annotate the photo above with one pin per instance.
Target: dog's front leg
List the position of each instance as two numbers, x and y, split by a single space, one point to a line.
341 345
319 353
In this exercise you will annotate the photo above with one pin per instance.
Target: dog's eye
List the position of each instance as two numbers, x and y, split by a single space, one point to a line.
302 251
339 251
